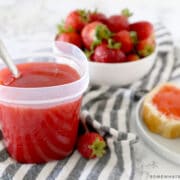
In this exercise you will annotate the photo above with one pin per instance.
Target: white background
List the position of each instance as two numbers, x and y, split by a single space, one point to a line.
37 19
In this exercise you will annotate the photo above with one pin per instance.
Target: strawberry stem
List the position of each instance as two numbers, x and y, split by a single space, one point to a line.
88 53
98 148
146 51
113 45
95 43
84 15
61 28
126 13
102 32
133 35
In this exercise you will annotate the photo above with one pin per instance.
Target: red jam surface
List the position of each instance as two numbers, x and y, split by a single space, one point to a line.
35 135
167 100
39 75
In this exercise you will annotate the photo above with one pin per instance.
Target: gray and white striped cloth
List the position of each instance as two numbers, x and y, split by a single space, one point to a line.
108 110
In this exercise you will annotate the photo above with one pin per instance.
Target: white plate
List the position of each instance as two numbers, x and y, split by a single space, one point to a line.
167 148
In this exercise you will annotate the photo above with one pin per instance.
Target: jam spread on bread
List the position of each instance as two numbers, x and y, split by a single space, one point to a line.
161 110
167 100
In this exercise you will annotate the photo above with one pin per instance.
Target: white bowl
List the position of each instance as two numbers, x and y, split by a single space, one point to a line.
119 74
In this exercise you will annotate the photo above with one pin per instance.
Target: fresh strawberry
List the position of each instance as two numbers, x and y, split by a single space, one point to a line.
126 39
68 35
144 29
91 145
77 20
132 57
105 54
146 47
118 23
94 33
97 16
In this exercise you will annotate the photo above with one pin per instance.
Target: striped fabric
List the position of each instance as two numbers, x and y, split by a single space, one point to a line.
107 109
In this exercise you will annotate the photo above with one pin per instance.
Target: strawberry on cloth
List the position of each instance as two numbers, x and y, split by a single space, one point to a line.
91 145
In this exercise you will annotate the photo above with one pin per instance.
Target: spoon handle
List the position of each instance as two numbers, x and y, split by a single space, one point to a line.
7 60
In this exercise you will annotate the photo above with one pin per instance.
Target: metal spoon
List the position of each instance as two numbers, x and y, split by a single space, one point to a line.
7 60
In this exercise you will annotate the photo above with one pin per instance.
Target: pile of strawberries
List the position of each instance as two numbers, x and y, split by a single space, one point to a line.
108 39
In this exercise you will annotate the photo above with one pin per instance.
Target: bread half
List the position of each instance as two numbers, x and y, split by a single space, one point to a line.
156 121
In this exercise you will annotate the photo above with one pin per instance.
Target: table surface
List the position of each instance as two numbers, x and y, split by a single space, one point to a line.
36 20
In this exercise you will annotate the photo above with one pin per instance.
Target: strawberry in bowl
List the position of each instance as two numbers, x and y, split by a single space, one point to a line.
94 33
113 44
106 53
68 35
120 22
77 19
97 16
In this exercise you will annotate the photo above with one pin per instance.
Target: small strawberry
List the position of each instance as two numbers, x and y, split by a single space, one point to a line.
132 57
144 29
68 35
107 53
77 19
118 23
146 47
126 39
97 16
94 33
91 145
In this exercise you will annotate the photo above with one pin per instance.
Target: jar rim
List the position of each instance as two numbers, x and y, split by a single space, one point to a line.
77 86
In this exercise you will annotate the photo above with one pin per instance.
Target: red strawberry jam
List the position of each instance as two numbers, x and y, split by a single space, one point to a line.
167 100
35 135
